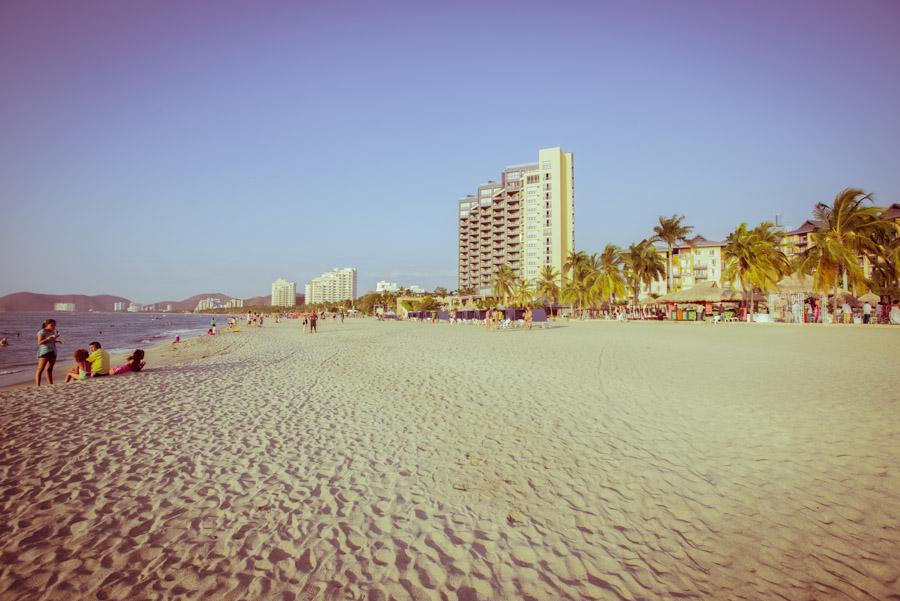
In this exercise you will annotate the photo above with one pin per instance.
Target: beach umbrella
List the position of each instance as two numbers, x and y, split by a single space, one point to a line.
870 297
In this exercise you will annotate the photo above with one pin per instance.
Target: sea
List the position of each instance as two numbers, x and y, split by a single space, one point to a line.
117 332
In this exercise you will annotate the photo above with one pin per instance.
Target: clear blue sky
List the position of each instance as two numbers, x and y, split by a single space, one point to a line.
157 150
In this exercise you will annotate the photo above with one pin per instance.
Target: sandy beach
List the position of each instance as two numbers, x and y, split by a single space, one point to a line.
594 460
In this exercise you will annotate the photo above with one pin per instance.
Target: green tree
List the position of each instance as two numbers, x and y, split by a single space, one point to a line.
429 303
522 293
754 259
671 230
643 266
849 230
607 281
575 264
547 286
503 283
441 291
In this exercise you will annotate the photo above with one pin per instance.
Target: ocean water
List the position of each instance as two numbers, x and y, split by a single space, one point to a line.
117 332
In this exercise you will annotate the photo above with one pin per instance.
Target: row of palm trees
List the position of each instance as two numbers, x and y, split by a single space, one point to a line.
849 230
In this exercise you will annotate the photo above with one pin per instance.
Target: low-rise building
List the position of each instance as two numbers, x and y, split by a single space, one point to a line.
119 307
64 307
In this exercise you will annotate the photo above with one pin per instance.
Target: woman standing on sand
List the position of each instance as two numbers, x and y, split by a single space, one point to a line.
47 339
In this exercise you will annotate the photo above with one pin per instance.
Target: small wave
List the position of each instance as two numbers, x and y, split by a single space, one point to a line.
7 372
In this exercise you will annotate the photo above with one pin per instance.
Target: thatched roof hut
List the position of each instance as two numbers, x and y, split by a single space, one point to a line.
796 284
706 292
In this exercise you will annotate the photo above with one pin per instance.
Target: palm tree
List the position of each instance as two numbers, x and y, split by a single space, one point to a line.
670 230
575 263
754 259
577 291
608 283
547 287
503 283
643 265
848 231
522 294
886 261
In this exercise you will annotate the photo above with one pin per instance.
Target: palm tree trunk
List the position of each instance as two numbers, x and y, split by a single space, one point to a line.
834 299
670 280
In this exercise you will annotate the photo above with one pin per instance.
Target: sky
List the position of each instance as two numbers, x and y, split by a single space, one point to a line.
157 150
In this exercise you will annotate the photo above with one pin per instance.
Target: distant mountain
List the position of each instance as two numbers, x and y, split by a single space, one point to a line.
265 301
189 304
31 301
258 301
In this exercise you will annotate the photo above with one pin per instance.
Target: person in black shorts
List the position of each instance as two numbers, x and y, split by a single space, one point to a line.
47 339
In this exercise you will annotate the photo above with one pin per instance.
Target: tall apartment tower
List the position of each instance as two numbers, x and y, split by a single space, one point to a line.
284 293
526 221
333 286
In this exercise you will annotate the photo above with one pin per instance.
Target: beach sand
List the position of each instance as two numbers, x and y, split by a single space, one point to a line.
417 461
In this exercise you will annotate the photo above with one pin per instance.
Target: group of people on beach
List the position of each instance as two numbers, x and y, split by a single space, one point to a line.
254 319
495 319
92 362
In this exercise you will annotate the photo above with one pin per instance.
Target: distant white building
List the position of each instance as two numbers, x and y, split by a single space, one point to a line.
118 307
332 287
167 308
284 293
134 308
384 286
234 302
416 289
67 307
208 303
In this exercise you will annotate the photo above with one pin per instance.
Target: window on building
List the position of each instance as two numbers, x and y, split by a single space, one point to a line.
545 165
547 187
546 196
546 176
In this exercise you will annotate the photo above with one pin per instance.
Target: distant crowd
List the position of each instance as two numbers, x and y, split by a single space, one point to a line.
92 362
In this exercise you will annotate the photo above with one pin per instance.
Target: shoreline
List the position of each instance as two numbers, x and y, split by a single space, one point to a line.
161 354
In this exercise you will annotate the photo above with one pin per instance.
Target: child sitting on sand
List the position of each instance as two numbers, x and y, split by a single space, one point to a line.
82 369
135 363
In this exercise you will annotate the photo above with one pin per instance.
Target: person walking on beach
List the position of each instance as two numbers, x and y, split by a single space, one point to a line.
312 323
47 338
212 326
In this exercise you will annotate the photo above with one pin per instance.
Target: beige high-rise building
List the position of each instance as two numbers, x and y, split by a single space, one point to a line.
526 221
284 293
332 287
